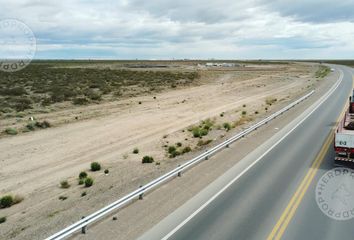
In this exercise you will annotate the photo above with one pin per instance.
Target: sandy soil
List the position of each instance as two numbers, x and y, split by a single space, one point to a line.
33 164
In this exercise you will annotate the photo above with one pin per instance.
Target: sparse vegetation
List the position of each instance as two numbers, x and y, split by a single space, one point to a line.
82 175
2 220
81 181
270 101
43 84
63 198
203 143
9 200
147 159
186 149
88 182
6 201
95 166
322 71
11 131
227 126
136 151
64 184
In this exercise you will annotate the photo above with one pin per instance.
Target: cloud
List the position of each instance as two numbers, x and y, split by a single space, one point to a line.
315 11
186 29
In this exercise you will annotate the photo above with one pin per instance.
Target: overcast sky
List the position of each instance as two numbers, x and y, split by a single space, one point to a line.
165 29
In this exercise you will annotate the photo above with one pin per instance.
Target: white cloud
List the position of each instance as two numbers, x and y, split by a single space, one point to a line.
191 29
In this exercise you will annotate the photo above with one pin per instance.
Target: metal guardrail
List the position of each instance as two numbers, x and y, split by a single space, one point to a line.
82 224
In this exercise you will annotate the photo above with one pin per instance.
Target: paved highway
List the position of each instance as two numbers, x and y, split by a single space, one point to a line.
271 193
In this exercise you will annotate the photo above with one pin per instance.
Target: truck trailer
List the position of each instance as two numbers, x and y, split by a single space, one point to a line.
344 137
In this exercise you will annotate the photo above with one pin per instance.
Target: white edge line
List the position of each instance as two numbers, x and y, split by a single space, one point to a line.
254 163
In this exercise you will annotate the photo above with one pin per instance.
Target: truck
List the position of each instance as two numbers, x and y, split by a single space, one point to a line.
344 137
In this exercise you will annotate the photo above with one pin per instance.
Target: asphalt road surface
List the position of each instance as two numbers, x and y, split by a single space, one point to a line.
271 193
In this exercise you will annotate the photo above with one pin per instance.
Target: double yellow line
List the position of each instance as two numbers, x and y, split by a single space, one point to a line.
295 201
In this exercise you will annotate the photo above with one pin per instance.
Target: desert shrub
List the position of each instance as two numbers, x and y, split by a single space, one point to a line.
204 132
227 126
203 143
179 144
269 101
244 112
136 151
171 149
81 181
95 166
80 101
186 149
93 95
6 201
222 114
88 182
256 112
63 198
106 171
196 133
16 91
2 219
44 124
82 175
244 105
21 103
11 131
31 126
83 194
64 184
147 159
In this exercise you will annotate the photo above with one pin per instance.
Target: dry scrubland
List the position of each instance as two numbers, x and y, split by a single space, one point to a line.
118 115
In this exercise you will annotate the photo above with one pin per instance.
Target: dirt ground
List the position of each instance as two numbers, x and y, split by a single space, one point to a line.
33 164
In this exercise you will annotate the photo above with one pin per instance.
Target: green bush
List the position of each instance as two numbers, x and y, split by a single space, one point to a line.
11 131
82 175
227 126
95 166
80 101
6 201
204 132
88 182
64 184
2 219
63 198
171 149
196 133
186 149
31 126
147 159
136 151
44 124
81 181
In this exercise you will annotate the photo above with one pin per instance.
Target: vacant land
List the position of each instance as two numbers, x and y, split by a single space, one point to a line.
166 110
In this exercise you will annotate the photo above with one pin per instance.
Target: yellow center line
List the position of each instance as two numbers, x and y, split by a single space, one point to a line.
289 212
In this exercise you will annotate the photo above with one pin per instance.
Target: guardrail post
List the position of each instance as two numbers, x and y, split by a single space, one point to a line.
179 173
141 195
83 229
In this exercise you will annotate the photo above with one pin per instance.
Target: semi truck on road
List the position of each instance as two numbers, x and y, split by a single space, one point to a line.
344 137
